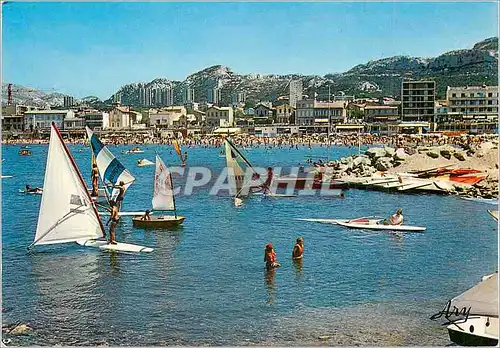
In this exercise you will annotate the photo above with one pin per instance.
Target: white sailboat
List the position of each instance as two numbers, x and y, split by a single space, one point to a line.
67 213
163 200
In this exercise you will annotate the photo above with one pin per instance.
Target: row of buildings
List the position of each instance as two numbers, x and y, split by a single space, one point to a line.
469 108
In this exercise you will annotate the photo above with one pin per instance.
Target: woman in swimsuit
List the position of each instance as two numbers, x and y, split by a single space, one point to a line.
114 219
270 257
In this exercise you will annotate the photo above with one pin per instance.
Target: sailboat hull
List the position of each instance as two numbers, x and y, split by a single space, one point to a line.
158 222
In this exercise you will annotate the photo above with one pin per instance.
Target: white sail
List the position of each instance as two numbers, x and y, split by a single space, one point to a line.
66 212
236 174
163 193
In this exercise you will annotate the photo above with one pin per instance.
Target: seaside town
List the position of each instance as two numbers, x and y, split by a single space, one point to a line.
356 208
469 110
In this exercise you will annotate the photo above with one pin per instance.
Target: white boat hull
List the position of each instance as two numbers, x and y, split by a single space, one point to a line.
124 247
336 221
476 331
400 228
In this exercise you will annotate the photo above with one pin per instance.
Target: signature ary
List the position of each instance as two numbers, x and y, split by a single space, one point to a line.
448 312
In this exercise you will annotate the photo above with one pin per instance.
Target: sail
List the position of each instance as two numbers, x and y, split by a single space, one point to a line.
236 175
66 211
481 298
163 193
110 169
177 149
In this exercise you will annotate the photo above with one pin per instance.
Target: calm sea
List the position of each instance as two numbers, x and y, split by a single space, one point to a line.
205 283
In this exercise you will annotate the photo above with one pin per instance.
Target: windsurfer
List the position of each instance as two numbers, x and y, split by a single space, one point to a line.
121 193
270 257
95 180
266 186
114 219
298 249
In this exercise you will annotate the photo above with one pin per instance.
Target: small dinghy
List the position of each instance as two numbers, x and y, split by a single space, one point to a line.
163 200
144 162
365 226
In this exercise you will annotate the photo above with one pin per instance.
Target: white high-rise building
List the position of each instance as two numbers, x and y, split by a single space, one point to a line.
188 95
295 92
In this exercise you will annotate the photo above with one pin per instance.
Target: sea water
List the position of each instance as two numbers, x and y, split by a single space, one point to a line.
206 283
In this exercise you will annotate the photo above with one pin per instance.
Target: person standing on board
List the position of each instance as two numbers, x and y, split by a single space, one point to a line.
270 257
397 219
298 249
267 184
121 193
114 219
95 180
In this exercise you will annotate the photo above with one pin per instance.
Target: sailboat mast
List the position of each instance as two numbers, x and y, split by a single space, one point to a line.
173 194
80 177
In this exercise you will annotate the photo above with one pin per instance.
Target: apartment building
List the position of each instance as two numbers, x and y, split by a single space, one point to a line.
42 119
284 113
296 92
418 98
311 112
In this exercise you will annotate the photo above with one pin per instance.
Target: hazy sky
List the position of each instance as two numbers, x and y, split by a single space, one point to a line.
95 48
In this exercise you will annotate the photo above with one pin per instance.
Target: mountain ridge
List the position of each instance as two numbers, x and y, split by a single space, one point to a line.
477 65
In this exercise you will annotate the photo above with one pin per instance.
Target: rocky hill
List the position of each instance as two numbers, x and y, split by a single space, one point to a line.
475 66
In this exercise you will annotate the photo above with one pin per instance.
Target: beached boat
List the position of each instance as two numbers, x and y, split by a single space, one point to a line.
163 200
493 201
67 213
480 326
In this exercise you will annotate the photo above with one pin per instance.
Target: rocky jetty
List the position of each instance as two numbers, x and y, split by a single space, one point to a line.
407 160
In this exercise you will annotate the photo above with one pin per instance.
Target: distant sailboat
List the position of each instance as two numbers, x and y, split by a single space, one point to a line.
67 213
178 150
163 200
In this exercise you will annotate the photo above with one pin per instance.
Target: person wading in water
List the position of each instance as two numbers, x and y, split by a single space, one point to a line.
270 257
298 249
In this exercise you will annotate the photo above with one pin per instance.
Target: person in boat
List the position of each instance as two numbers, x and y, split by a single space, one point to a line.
114 219
396 219
298 249
34 190
139 161
146 216
270 257
95 180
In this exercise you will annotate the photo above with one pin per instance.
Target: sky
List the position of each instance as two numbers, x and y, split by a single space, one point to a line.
86 49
